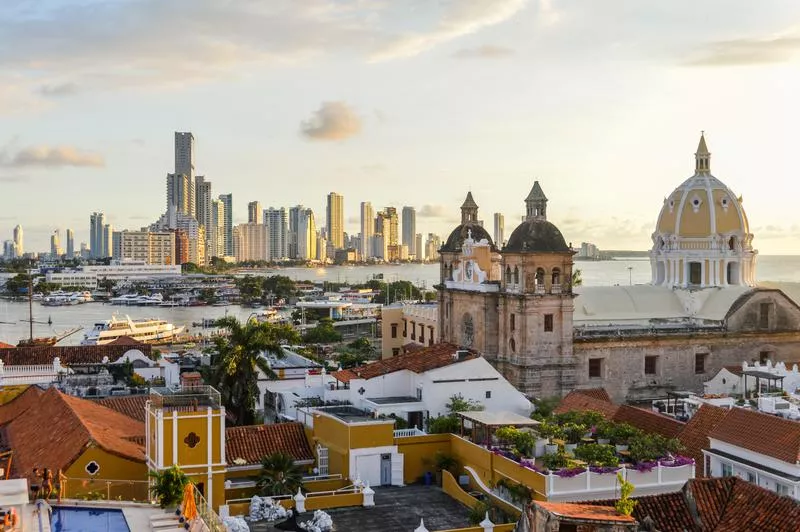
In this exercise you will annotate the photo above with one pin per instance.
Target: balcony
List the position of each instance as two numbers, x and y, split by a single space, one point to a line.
185 398
591 485
409 433
555 289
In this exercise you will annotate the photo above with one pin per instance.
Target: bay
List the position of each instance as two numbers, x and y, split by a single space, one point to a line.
599 273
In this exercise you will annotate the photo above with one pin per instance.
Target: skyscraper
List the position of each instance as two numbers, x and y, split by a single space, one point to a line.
386 224
278 233
255 214
227 201
96 222
217 236
420 247
184 154
334 220
410 229
499 229
107 243
295 214
55 244
19 245
70 244
202 201
251 242
306 235
367 230
180 193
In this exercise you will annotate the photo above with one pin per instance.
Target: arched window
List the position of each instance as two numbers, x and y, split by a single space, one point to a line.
516 275
732 243
539 276
556 276
508 274
513 345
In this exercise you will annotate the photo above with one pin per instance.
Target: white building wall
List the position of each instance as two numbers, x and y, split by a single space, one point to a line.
763 478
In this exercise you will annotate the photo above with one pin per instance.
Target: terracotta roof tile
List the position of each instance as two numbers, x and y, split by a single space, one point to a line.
132 406
670 511
55 429
649 421
27 399
69 355
597 393
4 345
578 401
694 435
253 442
589 512
760 433
433 357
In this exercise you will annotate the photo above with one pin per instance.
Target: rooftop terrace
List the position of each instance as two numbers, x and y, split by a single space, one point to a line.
185 397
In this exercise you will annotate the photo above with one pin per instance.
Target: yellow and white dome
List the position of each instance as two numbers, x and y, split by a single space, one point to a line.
702 236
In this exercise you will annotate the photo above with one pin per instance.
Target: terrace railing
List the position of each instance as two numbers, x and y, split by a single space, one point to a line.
207 513
408 433
108 490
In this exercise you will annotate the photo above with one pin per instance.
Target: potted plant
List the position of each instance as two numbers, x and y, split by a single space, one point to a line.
622 434
552 432
595 454
603 431
555 461
168 486
443 462
573 432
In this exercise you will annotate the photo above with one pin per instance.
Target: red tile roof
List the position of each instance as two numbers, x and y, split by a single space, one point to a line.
69 355
694 435
597 393
717 505
56 429
649 421
433 357
253 442
5 345
132 406
578 401
587 512
760 433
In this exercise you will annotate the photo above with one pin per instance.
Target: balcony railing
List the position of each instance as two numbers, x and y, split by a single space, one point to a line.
555 289
185 397
408 433
207 514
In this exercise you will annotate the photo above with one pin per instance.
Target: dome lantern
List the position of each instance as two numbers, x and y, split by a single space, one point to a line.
702 158
536 203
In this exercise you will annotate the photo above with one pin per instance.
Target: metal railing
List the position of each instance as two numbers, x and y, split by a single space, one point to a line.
207 514
108 490
182 397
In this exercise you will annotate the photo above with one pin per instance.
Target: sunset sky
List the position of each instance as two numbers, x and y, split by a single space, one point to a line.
401 102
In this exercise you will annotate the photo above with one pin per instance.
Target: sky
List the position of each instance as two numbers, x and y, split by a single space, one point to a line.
400 102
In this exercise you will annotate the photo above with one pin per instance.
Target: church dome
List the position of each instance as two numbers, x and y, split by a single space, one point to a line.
702 206
536 236
469 226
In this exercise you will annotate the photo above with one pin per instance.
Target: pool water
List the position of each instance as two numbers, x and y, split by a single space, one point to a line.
88 520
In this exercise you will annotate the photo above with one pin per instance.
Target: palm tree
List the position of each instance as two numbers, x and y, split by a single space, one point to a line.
279 475
238 359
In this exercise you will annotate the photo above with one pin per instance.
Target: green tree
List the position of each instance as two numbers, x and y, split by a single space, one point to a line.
168 486
190 267
544 407
577 278
625 505
351 360
323 333
251 289
238 360
208 295
279 475
457 403
280 286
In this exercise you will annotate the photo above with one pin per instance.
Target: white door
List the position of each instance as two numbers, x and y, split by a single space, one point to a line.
368 469
397 469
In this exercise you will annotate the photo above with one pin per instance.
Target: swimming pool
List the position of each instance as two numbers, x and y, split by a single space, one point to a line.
88 520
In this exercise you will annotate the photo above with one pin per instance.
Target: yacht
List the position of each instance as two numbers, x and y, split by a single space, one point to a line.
151 330
127 299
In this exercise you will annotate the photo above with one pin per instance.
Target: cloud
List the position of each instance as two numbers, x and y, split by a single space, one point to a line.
458 18
743 52
332 121
433 211
51 157
59 90
487 51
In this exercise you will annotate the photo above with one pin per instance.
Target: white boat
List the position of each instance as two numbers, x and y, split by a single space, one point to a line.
146 331
127 299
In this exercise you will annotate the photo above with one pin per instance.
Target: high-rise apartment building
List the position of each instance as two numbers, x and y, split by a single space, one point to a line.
306 235
202 201
255 214
70 244
432 246
150 247
367 230
108 239
334 220
195 234
250 242
19 244
278 233
8 250
180 193
410 229
227 201
184 154
217 236
96 222
55 244
295 214
322 248
420 247
387 225
499 230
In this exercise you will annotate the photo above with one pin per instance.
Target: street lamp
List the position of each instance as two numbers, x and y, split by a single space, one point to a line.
630 275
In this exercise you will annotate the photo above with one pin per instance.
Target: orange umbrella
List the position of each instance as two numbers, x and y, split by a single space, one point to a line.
189 506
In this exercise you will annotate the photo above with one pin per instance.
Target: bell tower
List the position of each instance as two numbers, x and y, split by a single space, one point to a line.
702 158
469 210
536 204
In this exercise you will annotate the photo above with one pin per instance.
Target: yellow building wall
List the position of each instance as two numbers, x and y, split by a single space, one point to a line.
391 316
418 453
505 468
331 433
726 221
469 454
372 435
128 478
696 224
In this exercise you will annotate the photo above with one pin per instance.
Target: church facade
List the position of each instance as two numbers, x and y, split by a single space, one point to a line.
519 304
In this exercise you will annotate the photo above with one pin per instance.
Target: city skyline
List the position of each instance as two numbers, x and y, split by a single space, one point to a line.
606 119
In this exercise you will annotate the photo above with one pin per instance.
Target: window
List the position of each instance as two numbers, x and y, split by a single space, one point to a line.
405 327
513 345
695 273
763 356
419 394
540 277
394 330
422 333
700 363
595 367
548 323
92 467
727 470
763 317
782 489
413 330
512 322
751 477
395 351
488 395
650 365
556 276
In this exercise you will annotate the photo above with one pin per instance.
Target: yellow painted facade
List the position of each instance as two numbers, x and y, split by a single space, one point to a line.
117 477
